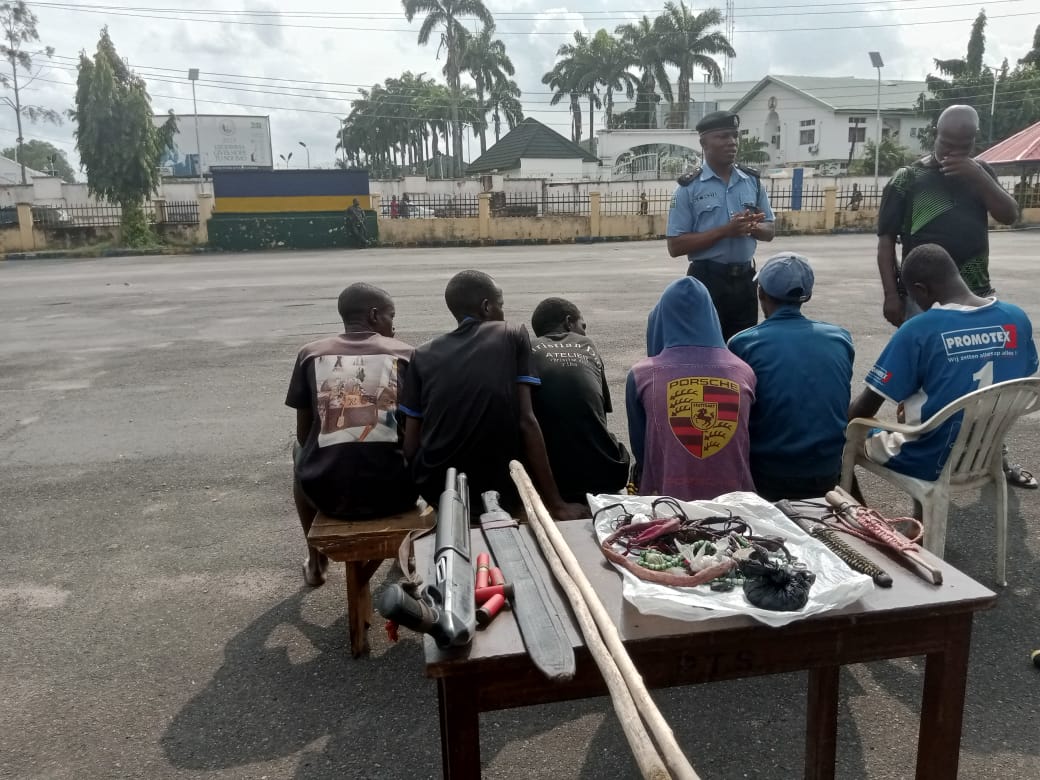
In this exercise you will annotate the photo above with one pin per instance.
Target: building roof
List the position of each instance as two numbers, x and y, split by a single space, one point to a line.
528 139
1022 147
844 94
11 172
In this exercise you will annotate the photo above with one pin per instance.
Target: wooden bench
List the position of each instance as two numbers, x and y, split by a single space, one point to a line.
363 545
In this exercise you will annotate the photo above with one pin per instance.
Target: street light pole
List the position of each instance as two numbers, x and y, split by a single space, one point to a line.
193 76
877 62
342 140
308 153
993 101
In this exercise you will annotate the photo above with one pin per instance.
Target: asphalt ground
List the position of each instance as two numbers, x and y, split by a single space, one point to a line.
153 619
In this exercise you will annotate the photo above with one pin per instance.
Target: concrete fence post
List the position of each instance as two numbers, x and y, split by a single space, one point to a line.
484 215
25 227
159 204
375 201
830 207
206 205
594 215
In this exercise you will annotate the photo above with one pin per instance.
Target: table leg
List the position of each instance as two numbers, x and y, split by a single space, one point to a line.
821 730
942 708
460 728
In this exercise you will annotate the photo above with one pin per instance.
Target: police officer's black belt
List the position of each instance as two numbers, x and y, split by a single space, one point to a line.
723 269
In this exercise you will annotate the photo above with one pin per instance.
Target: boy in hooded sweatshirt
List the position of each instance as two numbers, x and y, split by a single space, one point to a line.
688 401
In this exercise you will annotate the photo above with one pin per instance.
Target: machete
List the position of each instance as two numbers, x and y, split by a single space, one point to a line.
538 610
853 559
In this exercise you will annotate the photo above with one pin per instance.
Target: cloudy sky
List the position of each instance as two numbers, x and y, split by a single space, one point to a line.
303 67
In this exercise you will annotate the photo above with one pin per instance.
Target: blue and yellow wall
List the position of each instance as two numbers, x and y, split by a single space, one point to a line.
294 209
266 192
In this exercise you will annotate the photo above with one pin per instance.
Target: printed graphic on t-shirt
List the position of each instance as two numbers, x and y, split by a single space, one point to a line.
568 354
978 342
703 412
357 398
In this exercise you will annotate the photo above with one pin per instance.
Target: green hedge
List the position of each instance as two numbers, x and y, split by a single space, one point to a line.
285 230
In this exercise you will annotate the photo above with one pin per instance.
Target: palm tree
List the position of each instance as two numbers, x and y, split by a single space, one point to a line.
645 43
485 59
445 14
504 99
751 151
577 70
564 82
687 42
611 59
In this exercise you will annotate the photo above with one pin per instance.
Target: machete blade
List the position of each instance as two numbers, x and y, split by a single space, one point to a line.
536 606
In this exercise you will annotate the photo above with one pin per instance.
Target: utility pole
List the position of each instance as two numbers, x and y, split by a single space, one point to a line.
193 76
992 102
877 62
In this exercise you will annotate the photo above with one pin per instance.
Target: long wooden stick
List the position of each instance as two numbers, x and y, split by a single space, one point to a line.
635 701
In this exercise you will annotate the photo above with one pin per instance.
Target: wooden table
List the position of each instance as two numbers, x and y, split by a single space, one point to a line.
911 618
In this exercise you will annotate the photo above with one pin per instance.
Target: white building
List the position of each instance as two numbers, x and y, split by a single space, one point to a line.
533 151
824 122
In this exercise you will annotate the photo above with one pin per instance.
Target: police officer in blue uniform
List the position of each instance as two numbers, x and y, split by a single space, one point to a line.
719 213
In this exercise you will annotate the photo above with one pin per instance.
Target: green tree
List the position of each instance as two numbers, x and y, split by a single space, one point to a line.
1007 100
646 46
688 41
563 80
19 31
504 100
484 58
611 59
44 157
118 144
446 15
751 151
575 73
1032 57
893 157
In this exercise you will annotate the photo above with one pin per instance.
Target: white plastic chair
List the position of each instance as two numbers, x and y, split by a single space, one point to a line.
975 459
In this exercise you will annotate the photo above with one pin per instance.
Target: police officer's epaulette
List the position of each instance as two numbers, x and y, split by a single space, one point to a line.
689 176
750 171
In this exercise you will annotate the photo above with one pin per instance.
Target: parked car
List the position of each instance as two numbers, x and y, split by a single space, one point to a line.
414 211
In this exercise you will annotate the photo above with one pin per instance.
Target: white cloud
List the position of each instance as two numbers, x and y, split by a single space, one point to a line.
363 57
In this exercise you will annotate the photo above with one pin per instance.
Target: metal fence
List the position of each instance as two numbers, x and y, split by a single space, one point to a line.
814 198
850 199
430 206
182 212
646 202
185 212
533 204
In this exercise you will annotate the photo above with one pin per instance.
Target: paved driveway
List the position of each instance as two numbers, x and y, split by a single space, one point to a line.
153 619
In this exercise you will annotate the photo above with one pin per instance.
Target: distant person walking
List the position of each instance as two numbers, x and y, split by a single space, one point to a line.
855 199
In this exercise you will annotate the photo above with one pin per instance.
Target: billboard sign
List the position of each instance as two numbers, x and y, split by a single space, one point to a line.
226 141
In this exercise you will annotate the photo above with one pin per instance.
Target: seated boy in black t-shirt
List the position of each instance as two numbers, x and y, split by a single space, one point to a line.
348 456
572 404
467 399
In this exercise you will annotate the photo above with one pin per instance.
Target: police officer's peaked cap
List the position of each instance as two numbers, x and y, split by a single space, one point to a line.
718 120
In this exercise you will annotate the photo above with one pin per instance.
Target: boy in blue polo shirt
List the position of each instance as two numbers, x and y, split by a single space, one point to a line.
804 372
961 343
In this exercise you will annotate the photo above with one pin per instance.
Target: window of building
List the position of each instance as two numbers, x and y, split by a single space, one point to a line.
807 123
776 141
913 132
745 133
857 134
807 137
857 120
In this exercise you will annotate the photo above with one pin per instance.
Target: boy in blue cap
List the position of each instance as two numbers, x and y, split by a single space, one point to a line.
804 372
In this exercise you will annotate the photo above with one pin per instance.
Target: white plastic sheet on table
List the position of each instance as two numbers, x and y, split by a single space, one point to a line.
836 584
